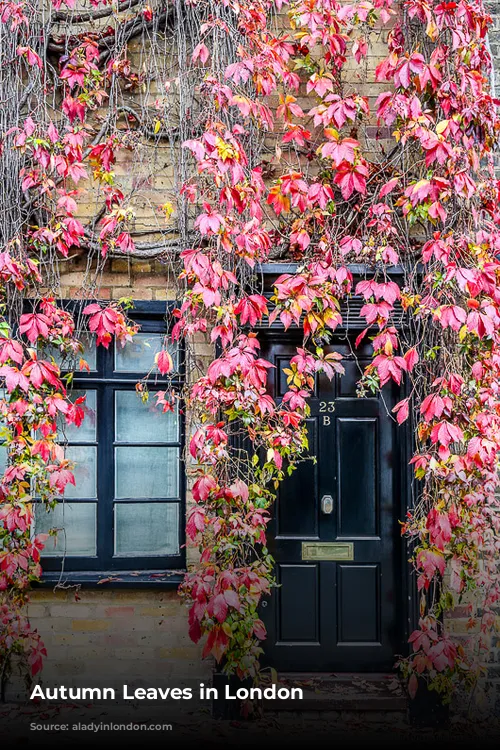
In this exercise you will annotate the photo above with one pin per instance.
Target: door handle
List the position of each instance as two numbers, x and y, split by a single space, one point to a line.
327 504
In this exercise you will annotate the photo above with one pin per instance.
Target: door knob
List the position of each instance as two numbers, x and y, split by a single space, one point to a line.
327 504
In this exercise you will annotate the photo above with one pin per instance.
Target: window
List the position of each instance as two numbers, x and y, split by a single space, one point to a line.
126 510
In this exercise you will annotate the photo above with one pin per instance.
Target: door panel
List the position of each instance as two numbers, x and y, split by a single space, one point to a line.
330 615
359 616
357 496
298 624
293 518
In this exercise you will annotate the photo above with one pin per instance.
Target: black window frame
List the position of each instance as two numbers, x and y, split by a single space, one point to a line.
151 316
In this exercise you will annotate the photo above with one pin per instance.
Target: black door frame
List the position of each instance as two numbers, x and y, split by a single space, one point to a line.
404 440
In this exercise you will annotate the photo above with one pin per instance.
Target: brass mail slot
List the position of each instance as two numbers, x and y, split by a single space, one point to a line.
327 551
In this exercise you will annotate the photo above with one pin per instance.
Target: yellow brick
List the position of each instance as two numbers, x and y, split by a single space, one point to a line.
72 279
119 265
162 610
162 295
70 639
141 267
45 595
149 280
115 279
90 626
179 652
130 291
36 610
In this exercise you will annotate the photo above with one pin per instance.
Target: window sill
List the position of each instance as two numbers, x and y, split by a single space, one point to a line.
166 579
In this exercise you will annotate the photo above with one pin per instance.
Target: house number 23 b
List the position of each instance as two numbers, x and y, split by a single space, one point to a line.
326 406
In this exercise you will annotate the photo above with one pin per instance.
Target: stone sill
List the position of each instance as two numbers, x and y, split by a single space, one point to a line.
155 579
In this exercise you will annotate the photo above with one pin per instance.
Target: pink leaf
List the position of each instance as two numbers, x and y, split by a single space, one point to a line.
232 599
201 53
402 411
219 607
164 362
389 187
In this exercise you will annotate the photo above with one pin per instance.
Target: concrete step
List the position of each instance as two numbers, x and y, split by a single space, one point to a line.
342 692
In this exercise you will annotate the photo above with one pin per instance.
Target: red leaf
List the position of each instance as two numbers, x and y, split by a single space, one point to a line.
164 362
90 309
360 338
218 605
411 357
389 187
251 309
203 487
34 326
195 631
401 410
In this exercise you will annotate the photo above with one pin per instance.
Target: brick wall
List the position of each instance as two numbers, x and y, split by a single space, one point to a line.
141 635
127 277
111 637
461 622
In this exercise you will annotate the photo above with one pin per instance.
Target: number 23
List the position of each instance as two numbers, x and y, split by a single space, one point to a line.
326 406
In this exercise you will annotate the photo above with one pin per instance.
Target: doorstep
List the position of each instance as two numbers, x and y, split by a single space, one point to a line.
342 692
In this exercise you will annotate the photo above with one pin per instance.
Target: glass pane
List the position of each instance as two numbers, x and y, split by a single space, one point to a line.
146 472
4 452
85 458
86 433
146 529
137 422
90 351
77 522
138 355
68 362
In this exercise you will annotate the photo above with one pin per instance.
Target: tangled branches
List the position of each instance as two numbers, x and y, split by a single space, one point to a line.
428 203
284 155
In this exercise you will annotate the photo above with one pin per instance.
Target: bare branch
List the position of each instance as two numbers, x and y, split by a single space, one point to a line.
93 15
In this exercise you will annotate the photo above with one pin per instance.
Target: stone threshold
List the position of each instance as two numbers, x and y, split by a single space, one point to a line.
342 692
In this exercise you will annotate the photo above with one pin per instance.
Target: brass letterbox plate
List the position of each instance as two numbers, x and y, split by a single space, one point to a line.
327 551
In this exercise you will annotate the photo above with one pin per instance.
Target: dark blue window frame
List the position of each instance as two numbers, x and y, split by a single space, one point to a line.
106 381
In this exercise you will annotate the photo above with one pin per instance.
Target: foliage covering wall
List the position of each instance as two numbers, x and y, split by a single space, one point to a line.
275 151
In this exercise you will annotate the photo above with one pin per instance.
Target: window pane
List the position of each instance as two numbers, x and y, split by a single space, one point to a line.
4 453
138 355
87 431
137 422
146 529
67 363
77 522
85 458
146 472
90 351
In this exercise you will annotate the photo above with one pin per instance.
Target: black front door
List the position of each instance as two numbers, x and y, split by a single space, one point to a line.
343 614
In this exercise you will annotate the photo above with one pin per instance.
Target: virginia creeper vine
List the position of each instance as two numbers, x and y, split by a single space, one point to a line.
288 159
428 205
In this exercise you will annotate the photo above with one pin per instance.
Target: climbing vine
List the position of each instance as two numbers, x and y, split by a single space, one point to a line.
279 153
427 203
